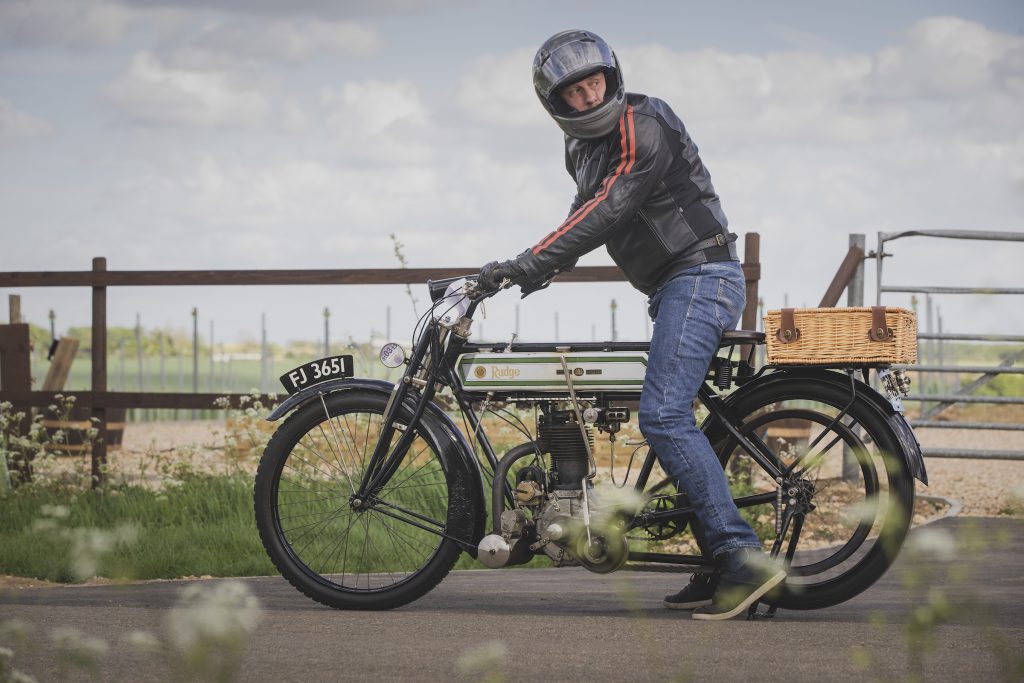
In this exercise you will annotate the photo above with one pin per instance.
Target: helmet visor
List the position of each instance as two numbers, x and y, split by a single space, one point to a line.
568 63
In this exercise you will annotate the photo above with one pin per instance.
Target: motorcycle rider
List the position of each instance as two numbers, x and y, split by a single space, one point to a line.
644 193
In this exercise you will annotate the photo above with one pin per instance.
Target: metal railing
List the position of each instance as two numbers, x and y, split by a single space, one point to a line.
934 363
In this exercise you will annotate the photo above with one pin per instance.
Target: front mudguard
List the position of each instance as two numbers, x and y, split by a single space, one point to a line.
467 482
910 448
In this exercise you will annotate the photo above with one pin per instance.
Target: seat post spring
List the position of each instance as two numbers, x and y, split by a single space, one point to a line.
723 373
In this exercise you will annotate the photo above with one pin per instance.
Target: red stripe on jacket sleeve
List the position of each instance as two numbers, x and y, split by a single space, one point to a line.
627 157
632 142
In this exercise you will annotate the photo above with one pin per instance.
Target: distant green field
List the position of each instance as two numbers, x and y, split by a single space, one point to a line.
227 373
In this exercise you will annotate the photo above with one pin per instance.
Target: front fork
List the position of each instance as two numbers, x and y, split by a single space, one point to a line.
385 460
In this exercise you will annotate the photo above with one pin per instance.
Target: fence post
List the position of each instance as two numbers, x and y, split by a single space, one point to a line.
855 290
327 332
854 299
195 356
209 382
615 332
852 263
752 275
99 369
14 306
16 376
140 414
264 370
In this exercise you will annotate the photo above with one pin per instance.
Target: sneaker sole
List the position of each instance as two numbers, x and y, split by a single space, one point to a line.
686 605
747 602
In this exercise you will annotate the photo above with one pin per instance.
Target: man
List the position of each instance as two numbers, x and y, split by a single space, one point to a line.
644 193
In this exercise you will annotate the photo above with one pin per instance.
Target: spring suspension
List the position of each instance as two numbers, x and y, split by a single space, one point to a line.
723 372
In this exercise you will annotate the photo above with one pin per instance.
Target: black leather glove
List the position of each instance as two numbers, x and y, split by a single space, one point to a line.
494 273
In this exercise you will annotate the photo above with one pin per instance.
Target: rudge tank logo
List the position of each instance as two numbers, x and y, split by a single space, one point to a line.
496 372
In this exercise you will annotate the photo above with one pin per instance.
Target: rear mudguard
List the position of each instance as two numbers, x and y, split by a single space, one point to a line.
911 449
459 453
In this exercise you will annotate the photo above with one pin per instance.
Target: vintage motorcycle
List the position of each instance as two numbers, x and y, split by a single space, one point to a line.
368 492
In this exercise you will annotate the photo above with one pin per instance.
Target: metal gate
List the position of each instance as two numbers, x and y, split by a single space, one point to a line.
935 369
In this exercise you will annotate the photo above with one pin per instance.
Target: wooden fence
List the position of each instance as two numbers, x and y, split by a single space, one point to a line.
15 379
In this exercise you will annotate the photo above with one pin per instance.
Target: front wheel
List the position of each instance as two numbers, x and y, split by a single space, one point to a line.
336 547
850 489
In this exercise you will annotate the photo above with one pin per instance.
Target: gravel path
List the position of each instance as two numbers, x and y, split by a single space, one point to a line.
987 488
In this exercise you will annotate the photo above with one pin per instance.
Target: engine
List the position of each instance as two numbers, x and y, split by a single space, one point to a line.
555 509
559 434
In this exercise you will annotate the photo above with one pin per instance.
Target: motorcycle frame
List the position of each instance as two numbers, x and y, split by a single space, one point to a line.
431 366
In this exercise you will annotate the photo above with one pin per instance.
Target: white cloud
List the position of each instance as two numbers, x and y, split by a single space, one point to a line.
948 57
244 41
386 122
948 73
102 23
326 8
18 124
73 23
498 91
807 148
152 93
804 147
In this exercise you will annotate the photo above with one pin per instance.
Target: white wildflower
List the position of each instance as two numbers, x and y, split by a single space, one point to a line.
934 543
74 647
487 657
15 629
55 511
144 641
222 614
1017 493
88 546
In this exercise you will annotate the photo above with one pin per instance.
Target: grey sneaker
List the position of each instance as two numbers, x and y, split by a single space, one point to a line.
753 576
695 594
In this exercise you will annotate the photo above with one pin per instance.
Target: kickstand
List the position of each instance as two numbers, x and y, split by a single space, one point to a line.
769 613
798 525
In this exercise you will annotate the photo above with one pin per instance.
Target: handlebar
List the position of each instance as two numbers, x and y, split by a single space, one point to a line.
438 288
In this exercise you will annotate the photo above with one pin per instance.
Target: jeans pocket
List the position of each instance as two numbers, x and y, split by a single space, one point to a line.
729 304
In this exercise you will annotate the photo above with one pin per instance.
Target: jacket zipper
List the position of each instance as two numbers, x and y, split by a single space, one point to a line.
654 232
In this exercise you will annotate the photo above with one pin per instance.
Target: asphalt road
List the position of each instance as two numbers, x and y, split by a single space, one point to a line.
568 624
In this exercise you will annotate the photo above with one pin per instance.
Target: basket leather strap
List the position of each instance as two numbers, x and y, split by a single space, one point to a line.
788 331
879 331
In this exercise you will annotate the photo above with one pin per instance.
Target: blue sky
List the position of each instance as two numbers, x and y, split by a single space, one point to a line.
231 134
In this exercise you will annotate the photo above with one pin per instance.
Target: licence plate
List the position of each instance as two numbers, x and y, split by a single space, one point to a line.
317 371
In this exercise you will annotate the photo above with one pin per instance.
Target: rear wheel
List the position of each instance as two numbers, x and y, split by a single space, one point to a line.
334 547
850 492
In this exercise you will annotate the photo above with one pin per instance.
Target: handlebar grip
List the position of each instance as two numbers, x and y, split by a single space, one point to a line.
437 288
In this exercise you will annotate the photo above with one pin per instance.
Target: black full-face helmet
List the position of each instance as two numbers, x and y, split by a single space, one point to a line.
567 57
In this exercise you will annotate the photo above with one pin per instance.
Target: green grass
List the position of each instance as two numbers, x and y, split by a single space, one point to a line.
204 526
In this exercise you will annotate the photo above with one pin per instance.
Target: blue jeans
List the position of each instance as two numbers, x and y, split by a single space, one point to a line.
690 312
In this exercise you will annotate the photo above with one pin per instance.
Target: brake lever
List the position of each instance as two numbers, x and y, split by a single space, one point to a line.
478 293
527 290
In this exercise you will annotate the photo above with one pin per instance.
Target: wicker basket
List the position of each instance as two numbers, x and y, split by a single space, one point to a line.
827 336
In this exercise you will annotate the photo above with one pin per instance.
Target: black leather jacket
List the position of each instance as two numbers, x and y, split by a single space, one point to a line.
644 192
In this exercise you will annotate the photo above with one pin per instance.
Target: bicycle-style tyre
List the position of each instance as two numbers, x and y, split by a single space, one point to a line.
855 478
374 554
